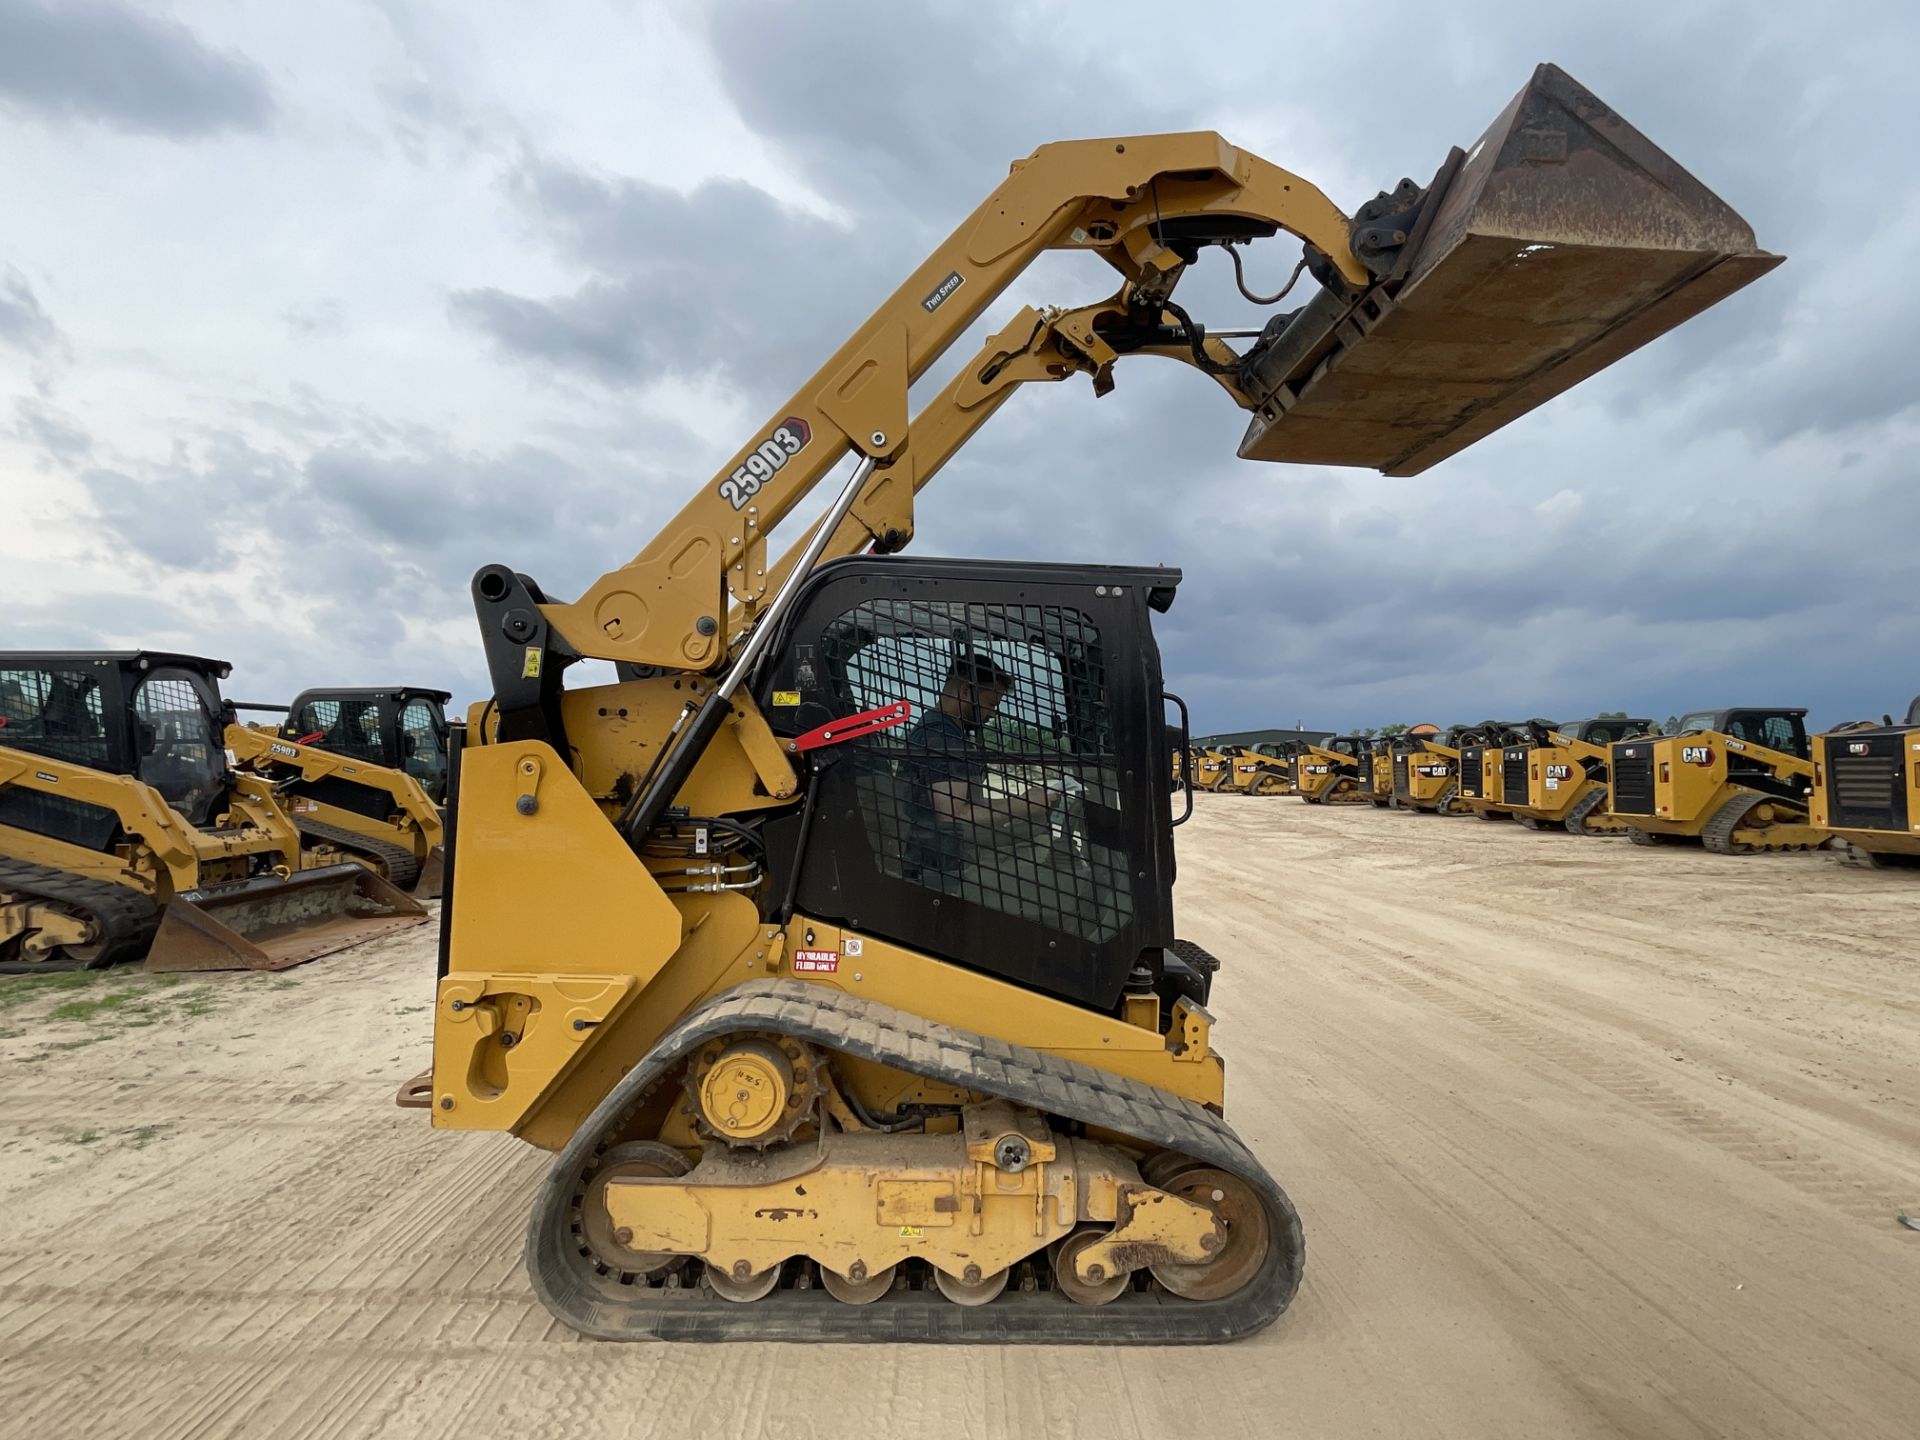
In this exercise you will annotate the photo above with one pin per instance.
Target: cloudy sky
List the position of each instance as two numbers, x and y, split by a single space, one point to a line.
306 312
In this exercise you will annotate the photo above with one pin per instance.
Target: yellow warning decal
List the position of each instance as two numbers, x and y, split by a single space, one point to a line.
530 669
788 698
913 1232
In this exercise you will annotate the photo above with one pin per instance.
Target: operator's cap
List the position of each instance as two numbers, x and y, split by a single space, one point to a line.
980 670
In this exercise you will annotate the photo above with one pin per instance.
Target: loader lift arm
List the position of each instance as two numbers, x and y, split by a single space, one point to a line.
1111 197
1441 315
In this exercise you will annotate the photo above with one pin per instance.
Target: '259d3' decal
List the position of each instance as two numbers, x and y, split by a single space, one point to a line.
766 460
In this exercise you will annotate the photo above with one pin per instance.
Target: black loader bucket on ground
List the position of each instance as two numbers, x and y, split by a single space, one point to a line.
1563 240
272 924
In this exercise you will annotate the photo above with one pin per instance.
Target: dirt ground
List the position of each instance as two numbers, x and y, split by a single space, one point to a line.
1588 1140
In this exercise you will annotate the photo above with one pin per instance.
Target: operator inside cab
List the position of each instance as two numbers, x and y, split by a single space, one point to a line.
948 777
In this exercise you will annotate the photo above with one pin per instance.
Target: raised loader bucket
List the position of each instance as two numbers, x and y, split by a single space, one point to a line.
271 924
433 875
1563 240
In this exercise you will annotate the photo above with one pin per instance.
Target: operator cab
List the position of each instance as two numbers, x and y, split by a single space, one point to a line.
1000 822
155 715
1604 732
403 728
1779 728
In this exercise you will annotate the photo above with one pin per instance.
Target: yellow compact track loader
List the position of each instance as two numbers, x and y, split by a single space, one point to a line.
400 727
1258 770
1737 781
1330 774
832 949
1482 780
1426 773
1556 777
350 808
123 831
1866 789
1213 770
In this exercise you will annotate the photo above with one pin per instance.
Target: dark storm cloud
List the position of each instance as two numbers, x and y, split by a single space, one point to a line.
724 280
95 60
1347 596
898 118
24 323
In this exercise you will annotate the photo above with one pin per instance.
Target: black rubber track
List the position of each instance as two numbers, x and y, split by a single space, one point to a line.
1717 833
398 865
127 918
1576 821
574 1288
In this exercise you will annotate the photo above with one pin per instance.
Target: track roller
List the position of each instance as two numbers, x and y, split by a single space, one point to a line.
973 1288
859 1288
744 1288
1100 1289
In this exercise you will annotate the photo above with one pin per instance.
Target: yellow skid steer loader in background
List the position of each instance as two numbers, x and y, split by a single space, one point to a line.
1557 775
1331 773
1426 773
1866 789
350 808
1482 780
123 831
1259 770
1736 781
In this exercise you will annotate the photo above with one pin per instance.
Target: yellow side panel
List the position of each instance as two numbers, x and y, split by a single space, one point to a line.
556 921
555 890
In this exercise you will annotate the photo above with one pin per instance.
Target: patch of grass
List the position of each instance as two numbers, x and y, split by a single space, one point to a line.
88 1009
85 1137
17 990
84 1007
144 1135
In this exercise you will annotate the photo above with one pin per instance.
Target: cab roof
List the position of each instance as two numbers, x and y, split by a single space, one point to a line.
370 692
120 659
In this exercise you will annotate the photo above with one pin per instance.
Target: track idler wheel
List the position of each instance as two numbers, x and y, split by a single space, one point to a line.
859 1288
1247 1242
635 1158
1098 1290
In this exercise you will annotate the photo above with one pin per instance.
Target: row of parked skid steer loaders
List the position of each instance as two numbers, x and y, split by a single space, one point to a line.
140 817
1735 781
831 948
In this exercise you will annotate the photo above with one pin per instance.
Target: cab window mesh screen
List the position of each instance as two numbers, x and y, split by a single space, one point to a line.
54 713
316 717
1778 732
1003 788
421 755
180 752
347 727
